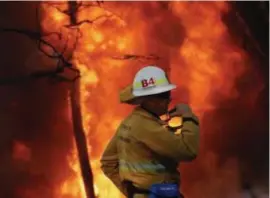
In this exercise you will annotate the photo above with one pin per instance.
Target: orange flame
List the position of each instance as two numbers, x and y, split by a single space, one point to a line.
206 62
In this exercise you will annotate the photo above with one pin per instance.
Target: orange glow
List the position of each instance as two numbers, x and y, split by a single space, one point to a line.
58 17
54 18
121 44
176 121
97 37
205 62
21 151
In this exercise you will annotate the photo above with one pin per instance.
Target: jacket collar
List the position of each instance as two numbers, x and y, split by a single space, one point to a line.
144 113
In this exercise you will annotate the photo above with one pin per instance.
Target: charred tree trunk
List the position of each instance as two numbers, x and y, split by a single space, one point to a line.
80 138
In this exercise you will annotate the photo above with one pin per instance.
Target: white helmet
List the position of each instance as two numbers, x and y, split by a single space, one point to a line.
151 80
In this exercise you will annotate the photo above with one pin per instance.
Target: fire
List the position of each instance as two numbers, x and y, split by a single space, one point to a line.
97 37
205 63
207 52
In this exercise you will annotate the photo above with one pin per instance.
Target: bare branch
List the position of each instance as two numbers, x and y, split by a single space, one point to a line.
78 24
67 11
54 5
249 34
35 75
58 34
39 29
100 2
62 63
136 57
90 4
77 8
65 46
36 36
40 74
54 55
60 78
87 21
108 12
78 35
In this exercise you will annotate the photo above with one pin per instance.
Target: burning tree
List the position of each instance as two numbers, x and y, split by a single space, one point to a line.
101 46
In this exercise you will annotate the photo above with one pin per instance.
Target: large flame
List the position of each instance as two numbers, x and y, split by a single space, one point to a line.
200 56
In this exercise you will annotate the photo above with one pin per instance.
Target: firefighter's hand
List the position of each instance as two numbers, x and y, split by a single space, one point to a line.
180 110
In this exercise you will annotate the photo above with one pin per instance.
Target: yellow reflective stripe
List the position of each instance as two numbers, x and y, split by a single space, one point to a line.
141 167
157 82
138 85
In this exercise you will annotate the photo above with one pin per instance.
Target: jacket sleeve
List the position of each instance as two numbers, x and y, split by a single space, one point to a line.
110 164
182 147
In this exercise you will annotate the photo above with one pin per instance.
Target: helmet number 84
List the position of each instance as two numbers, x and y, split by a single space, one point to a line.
146 83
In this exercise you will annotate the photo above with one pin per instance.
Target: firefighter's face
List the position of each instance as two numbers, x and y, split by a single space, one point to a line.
158 104
161 105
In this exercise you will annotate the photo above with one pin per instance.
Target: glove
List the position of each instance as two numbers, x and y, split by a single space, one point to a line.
180 110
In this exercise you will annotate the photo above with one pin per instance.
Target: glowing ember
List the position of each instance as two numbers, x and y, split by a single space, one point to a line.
205 63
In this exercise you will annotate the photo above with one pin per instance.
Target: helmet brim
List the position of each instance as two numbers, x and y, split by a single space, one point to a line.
153 90
127 97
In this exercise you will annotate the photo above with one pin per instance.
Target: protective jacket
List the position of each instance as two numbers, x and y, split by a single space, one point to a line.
145 152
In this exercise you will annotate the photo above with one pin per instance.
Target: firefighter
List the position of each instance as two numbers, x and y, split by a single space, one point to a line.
142 157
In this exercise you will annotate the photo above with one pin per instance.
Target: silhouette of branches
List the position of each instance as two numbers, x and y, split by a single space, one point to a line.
62 62
75 8
51 51
48 49
136 57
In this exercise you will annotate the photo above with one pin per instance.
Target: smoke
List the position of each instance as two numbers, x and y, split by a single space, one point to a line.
234 150
235 138
35 130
